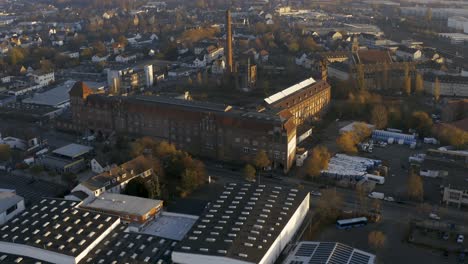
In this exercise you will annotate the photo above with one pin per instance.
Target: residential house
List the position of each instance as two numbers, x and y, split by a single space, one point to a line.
96 58
125 58
116 179
408 54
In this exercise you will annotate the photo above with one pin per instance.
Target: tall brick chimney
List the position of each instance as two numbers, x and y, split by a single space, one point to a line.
229 56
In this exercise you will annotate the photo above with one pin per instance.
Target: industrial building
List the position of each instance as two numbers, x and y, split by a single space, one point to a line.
304 100
394 137
57 231
205 129
248 223
328 253
71 158
11 204
130 209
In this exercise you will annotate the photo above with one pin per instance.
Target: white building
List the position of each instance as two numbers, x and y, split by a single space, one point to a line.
262 221
10 205
449 85
124 58
116 179
97 58
43 79
458 23
149 74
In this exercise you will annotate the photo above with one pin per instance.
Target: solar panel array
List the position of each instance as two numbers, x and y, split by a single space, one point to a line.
328 253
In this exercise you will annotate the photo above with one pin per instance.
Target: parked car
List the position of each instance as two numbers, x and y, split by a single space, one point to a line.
445 236
315 193
389 199
434 216
460 239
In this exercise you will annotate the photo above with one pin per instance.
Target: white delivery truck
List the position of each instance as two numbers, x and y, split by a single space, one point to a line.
376 195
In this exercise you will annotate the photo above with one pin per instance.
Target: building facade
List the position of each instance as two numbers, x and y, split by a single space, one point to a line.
304 100
204 129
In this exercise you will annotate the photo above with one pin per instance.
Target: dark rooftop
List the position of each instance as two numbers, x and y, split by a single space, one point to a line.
243 222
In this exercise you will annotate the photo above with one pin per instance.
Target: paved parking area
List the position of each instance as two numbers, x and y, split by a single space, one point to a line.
32 191
397 250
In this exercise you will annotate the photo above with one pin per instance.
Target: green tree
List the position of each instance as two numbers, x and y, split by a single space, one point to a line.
249 173
318 161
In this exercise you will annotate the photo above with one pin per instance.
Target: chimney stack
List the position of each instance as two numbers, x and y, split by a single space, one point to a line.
229 57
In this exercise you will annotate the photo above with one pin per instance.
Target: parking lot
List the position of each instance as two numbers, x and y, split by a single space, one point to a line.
396 249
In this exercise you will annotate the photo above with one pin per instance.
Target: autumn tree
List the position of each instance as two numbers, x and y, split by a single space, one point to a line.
362 131
293 47
415 187
437 89
347 142
310 44
5 152
261 160
407 85
419 84
451 135
318 161
422 122
376 239
379 116
329 204
249 173
16 55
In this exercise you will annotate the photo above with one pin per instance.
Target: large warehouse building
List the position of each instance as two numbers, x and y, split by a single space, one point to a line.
248 223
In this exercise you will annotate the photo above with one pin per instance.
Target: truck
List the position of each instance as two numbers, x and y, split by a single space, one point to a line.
376 195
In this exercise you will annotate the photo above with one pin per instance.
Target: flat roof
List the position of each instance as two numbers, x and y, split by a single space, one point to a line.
72 150
328 253
170 225
56 225
123 204
59 94
10 258
125 247
201 105
8 199
243 222
290 90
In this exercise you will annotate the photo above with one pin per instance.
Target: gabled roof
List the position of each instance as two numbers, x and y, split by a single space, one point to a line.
80 89
373 56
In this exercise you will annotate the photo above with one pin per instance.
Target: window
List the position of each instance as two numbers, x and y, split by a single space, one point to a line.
246 150
11 209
